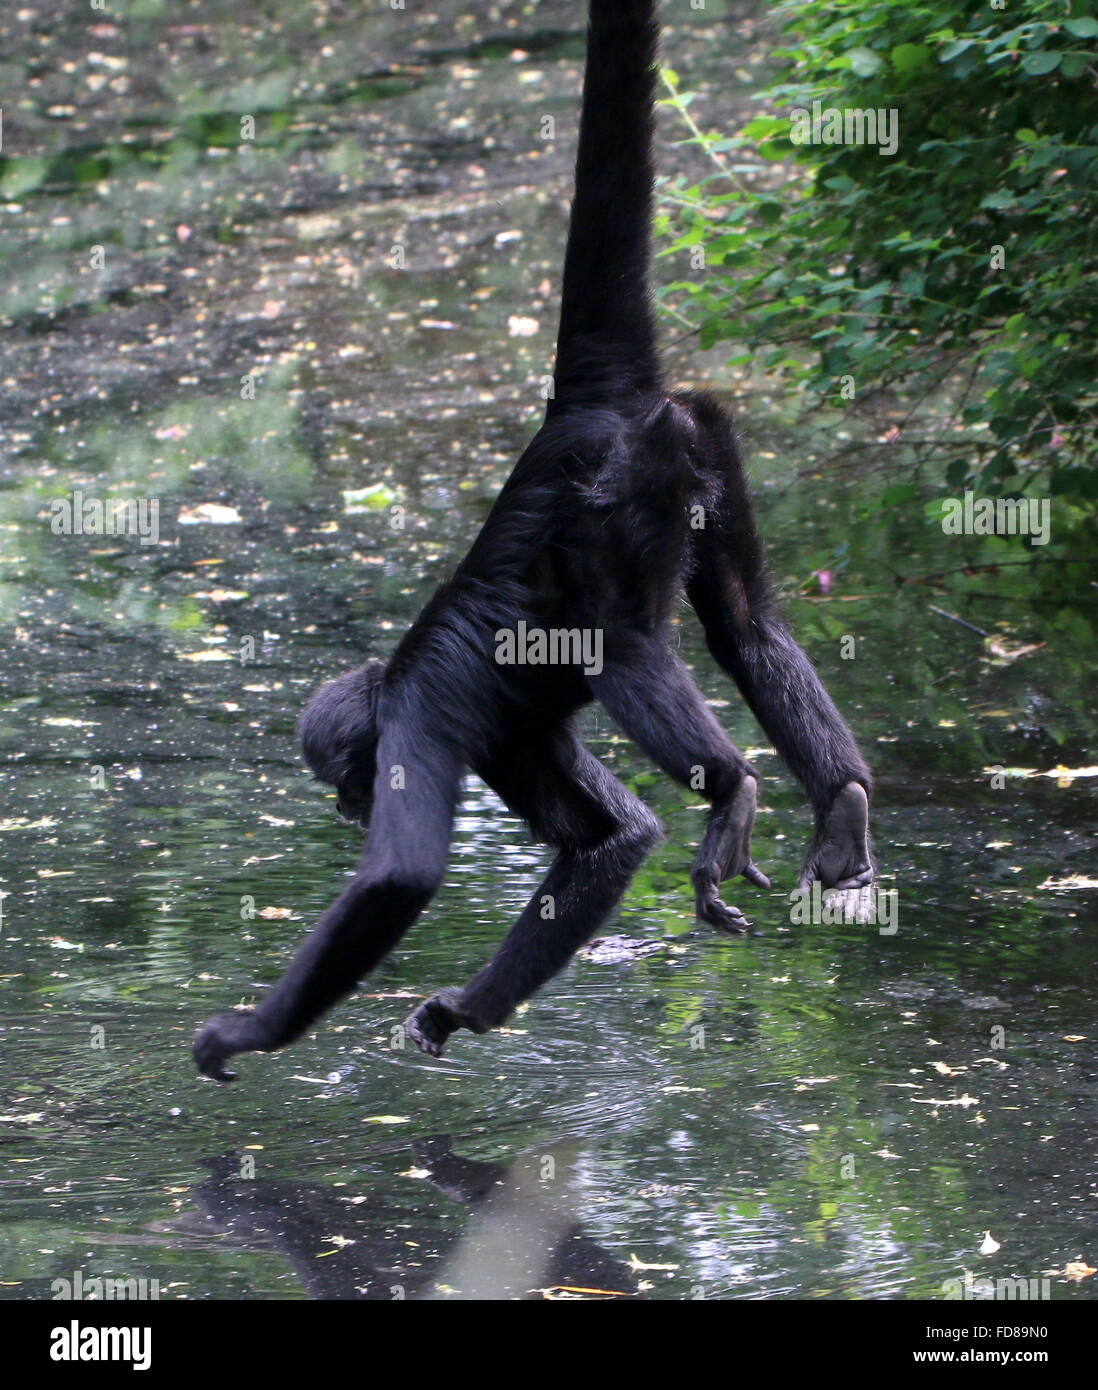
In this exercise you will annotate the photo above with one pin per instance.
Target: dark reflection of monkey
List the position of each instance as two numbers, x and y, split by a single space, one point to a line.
517 1244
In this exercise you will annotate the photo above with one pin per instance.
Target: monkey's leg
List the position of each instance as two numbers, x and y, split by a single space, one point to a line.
752 642
400 870
602 833
648 691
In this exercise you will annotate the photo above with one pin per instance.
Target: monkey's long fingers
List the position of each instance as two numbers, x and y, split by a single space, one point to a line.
756 876
208 1056
221 1075
856 881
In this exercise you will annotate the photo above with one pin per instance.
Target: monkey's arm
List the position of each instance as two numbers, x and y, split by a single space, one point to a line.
399 872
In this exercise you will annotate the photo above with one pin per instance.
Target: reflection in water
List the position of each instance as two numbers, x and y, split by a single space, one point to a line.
516 1243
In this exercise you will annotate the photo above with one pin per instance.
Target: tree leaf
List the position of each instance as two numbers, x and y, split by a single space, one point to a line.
1037 64
955 49
864 61
908 56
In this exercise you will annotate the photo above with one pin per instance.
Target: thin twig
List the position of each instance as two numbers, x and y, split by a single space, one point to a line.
961 622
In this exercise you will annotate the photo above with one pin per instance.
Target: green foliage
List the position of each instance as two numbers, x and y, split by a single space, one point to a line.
960 266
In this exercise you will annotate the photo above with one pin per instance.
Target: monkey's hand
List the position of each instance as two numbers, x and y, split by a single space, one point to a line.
726 853
438 1017
840 856
225 1035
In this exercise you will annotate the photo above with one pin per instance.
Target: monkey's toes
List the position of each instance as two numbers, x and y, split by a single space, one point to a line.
719 914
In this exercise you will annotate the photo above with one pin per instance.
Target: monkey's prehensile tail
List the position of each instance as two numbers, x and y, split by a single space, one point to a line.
607 333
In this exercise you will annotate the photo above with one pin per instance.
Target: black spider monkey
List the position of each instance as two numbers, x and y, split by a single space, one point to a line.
595 529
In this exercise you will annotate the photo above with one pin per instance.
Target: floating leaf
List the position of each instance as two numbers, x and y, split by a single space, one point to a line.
210 514
368 499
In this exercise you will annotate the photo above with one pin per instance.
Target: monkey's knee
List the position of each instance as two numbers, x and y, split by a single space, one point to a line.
645 830
636 832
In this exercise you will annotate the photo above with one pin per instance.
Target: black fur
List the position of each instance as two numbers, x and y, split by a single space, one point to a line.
593 530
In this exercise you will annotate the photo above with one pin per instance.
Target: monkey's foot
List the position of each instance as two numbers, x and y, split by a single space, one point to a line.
840 856
438 1017
221 1038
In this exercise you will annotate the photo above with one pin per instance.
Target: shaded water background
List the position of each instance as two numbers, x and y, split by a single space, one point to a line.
854 1122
